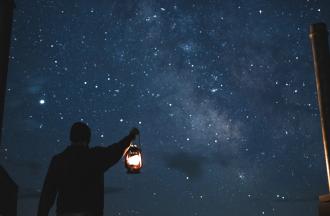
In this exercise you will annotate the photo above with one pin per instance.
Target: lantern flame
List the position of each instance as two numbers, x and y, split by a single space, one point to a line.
134 160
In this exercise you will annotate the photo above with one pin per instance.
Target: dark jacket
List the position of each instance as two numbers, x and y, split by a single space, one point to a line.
76 177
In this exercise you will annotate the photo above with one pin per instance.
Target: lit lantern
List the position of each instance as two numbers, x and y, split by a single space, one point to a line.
133 159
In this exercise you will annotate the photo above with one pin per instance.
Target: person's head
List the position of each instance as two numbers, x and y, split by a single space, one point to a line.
80 134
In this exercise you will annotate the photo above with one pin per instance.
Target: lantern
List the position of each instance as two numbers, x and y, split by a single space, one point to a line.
133 159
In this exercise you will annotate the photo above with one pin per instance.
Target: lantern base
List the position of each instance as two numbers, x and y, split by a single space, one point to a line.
133 171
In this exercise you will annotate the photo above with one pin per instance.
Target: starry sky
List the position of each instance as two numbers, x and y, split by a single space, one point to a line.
223 93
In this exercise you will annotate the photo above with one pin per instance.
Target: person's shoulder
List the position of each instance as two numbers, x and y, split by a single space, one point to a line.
57 157
60 155
60 158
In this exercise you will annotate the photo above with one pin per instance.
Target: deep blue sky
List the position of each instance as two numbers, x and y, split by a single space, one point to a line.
223 93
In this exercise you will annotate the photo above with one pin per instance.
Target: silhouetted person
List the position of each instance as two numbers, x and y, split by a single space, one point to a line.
76 176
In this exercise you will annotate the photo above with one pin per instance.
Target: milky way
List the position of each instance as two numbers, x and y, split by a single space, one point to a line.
223 93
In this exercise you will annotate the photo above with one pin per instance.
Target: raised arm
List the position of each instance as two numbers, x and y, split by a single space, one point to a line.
48 193
110 155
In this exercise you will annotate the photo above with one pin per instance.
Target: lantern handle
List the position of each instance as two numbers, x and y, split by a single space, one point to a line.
139 141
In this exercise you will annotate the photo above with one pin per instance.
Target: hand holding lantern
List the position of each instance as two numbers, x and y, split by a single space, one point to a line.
134 132
133 156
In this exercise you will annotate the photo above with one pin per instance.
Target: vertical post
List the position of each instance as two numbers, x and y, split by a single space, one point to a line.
8 188
320 47
6 19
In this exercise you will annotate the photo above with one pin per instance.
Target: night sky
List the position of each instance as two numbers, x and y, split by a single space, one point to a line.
223 93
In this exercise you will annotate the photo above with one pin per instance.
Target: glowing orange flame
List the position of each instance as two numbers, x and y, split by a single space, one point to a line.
134 160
